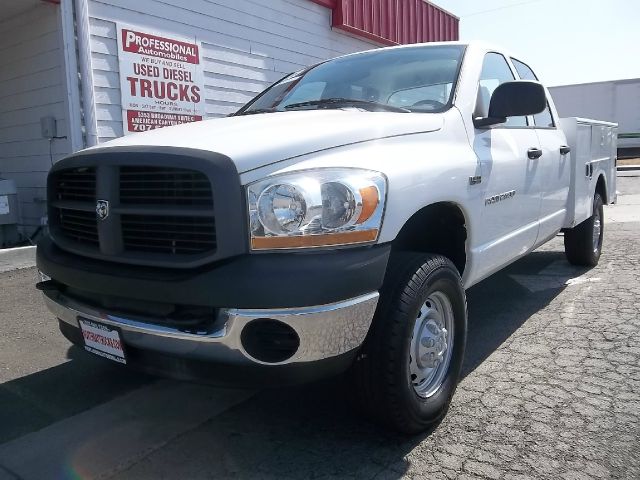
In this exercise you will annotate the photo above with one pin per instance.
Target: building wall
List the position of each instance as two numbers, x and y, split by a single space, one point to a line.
32 85
246 45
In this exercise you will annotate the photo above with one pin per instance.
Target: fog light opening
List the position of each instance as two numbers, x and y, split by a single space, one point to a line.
269 341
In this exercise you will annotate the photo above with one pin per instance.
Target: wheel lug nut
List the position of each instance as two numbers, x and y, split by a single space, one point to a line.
427 342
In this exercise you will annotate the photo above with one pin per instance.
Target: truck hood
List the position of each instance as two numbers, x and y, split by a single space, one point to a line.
254 141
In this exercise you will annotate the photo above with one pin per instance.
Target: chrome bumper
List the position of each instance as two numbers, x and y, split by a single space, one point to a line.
324 331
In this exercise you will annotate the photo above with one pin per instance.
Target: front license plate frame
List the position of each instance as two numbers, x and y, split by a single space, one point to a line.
103 340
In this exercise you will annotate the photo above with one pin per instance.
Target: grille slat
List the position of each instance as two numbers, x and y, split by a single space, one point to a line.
174 238
153 199
163 249
133 232
77 226
154 220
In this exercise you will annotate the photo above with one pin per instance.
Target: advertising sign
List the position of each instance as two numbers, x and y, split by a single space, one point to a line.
161 80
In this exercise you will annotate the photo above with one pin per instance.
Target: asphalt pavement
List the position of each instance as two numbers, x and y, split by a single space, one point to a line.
550 389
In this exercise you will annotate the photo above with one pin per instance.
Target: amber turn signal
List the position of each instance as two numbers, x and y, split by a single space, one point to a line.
323 240
370 202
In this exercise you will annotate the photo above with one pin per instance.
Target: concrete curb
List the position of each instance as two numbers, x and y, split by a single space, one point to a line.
17 258
627 168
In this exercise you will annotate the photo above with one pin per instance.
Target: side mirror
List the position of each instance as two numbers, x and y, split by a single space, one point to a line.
514 99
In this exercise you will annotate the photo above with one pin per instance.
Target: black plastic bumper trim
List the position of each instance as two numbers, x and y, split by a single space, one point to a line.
276 280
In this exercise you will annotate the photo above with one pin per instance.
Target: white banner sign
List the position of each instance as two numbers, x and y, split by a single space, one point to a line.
161 80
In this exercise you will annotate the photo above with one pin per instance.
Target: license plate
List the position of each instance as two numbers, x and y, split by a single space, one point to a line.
102 340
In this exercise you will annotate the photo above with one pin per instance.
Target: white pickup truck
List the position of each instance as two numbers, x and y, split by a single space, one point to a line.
331 225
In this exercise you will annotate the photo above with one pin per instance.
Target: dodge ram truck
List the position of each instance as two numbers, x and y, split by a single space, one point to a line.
330 226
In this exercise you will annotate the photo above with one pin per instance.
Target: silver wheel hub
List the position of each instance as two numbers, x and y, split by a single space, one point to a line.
597 230
431 345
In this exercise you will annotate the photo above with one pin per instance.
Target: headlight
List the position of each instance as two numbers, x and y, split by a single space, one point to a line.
316 208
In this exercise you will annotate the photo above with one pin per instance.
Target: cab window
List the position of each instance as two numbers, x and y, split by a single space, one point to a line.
543 119
495 71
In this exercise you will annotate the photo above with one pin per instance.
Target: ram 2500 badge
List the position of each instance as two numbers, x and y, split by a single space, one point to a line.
331 225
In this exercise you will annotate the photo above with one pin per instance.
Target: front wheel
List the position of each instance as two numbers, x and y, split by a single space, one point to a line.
408 370
583 243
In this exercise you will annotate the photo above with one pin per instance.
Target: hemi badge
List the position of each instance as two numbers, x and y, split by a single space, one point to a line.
475 180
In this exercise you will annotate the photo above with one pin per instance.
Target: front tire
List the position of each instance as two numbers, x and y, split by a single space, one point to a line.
408 370
583 243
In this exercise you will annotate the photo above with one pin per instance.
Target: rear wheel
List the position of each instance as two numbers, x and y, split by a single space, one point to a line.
408 370
583 243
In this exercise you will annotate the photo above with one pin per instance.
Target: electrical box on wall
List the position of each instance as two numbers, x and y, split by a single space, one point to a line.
48 127
8 213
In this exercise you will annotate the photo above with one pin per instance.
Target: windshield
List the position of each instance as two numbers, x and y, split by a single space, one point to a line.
416 79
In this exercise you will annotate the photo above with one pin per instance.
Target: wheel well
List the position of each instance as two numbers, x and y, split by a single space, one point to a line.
439 228
601 188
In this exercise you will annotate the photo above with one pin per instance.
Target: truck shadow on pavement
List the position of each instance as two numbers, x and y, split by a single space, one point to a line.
307 431
312 431
32 402
499 305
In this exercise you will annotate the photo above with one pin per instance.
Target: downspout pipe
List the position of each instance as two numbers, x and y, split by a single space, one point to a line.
86 72
72 80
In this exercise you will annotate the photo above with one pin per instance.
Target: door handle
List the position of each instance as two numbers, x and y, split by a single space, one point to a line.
564 150
534 153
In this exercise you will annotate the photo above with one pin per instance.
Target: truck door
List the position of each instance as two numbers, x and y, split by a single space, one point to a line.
511 176
554 162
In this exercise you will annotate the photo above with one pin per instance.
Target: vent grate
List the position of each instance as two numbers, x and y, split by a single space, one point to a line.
79 226
77 184
175 235
157 214
141 185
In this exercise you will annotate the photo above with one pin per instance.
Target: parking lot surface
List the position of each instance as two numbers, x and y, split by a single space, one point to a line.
550 389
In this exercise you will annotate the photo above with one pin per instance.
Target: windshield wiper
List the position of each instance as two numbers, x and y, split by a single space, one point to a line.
336 102
257 110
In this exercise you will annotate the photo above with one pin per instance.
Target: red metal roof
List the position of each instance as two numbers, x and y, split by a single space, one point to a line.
393 22
326 3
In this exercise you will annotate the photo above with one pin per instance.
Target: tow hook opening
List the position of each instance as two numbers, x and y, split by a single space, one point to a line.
269 341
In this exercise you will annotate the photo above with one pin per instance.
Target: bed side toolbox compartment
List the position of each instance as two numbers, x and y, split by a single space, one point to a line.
593 147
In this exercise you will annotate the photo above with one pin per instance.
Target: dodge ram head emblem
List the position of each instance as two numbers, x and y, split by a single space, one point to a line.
102 209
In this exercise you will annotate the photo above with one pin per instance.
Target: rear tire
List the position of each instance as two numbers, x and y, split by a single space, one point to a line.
409 366
583 243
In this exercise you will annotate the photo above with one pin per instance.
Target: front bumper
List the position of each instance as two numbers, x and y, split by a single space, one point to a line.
327 298
326 333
